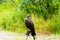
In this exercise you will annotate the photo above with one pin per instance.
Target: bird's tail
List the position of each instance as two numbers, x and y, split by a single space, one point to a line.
33 33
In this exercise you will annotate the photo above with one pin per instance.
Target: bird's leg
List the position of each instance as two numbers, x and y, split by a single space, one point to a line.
28 32
34 37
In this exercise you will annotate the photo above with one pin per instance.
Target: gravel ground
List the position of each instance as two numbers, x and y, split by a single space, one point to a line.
18 36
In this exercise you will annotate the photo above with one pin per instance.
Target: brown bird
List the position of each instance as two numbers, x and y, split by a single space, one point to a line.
30 25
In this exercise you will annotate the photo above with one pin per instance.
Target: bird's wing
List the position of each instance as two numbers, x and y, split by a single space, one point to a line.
29 24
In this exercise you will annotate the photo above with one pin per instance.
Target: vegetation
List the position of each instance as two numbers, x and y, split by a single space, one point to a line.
44 13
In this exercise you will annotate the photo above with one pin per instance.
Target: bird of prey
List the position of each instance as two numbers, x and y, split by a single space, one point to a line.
30 26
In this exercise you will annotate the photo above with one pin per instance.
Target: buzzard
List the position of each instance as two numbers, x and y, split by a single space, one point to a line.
30 26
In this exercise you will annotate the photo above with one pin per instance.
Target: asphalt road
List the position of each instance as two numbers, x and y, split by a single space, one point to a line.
4 35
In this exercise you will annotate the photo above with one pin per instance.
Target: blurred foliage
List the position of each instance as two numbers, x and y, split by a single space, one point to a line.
40 7
44 13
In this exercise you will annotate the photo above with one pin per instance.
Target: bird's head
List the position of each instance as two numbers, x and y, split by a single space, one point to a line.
28 16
